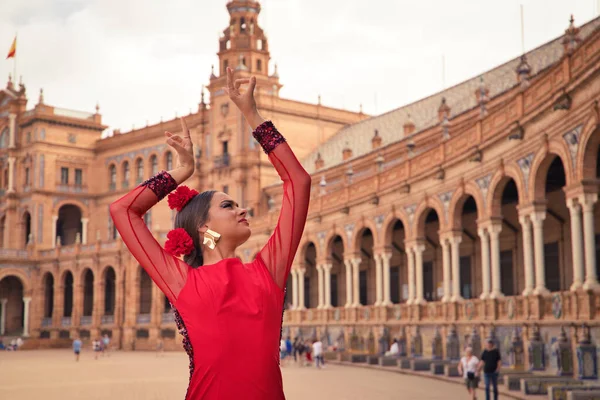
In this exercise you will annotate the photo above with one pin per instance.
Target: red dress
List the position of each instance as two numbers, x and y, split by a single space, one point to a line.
229 313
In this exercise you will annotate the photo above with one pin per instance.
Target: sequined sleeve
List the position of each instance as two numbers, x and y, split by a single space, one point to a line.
167 271
279 252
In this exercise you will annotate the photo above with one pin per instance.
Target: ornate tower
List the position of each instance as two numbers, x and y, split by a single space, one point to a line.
244 47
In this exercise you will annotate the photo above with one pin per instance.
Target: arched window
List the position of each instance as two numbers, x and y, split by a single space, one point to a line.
243 25
259 44
169 161
139 171
228 45
4 139
153 165
259 65
112 172
126 174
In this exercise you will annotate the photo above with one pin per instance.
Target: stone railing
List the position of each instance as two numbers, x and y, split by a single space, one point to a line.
46 322
143 318
560 307
65 321
85 320
107 319
71 188
168 317
13 253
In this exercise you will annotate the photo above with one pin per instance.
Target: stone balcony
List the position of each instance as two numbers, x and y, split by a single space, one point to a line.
561 307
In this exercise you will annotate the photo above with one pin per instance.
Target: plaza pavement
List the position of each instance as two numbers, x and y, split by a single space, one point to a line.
54 375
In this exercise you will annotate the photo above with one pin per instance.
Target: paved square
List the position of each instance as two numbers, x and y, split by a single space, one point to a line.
54 375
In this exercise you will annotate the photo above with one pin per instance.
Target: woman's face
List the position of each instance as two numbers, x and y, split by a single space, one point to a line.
228 219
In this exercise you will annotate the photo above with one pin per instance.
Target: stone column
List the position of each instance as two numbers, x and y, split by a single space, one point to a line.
54 221
537 218
294 273
3 303
355 282
348 265
485 263
327 271
11 174
59 304
591 280
26 304
419 249
320 285
494 231
77 304
527 254
378 283
84 230
576 243
98 308
411 274
455 240
300 273
12 128
446 269
385 258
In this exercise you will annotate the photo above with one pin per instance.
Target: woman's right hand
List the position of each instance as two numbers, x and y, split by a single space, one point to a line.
185 153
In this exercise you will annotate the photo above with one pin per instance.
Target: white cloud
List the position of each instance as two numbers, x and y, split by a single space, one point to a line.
145 59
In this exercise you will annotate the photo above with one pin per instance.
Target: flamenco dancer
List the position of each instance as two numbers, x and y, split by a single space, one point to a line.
215 296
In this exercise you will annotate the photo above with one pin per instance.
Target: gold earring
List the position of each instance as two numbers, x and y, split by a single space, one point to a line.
211 238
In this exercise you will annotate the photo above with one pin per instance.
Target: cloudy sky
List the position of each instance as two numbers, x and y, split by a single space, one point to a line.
143 59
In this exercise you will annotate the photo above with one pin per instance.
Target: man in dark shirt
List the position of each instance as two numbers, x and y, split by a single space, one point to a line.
490 362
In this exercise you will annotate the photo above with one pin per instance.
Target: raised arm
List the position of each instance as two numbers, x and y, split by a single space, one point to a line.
167 271
278 253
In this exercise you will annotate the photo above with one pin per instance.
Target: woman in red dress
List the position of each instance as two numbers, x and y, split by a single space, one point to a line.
229 313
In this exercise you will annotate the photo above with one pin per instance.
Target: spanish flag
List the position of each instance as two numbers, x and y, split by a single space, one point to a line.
13 49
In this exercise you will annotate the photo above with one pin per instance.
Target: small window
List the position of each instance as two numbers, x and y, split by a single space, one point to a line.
125 174
226 189
27 176
259 44
259 65
78 176
113 177
243 25
28 137
225 65
225 147
228 45
5 178
154 165
139 167
64 175
169 159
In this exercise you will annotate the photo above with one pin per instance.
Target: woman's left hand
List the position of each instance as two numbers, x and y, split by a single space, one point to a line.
244 101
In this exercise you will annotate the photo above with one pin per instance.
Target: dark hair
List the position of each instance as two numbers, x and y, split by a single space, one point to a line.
192 216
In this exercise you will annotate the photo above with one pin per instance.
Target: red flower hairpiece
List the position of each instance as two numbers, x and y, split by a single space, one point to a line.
180 197
179 242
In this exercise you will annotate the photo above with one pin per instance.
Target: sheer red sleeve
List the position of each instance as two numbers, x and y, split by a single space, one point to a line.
279 252
167 271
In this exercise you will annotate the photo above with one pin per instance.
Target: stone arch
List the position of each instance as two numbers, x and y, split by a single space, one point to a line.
365 223
25 281
48 288
68 224
67 284
335 255
497 185
336 231
12 287
388 226
85 213
421 214
541 163
309 263
364 249
587 156
144 285
458 200
87 279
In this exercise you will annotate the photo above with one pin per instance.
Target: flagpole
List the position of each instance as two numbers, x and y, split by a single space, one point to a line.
15 63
